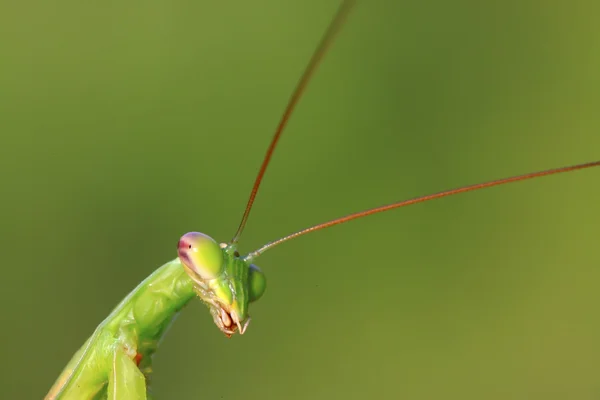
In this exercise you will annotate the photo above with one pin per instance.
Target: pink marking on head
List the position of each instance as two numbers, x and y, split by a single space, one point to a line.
183 247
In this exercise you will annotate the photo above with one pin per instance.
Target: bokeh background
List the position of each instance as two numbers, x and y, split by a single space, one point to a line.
126 124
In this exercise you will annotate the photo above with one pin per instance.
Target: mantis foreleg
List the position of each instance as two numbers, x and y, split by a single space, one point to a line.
126 381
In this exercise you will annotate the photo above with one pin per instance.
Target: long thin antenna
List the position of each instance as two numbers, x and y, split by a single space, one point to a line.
317 56
421 199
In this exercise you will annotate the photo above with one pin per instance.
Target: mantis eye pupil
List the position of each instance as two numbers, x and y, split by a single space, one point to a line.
189 246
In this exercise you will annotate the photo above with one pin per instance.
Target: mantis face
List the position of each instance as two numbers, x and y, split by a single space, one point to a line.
223 280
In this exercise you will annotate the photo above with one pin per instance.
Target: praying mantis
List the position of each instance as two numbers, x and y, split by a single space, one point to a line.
116 361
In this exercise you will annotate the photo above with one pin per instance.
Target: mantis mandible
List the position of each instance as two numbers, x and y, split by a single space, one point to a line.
116 361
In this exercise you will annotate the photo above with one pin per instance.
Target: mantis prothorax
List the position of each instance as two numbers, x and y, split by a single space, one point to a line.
115 362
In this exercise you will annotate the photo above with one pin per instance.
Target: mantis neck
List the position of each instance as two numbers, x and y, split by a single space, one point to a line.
144 316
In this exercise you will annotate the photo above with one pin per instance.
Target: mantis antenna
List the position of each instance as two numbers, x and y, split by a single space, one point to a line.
416 200
316 58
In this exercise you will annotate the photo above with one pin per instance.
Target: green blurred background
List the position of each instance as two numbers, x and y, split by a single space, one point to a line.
126 124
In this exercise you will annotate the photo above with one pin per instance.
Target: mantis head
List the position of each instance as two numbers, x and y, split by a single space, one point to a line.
226 282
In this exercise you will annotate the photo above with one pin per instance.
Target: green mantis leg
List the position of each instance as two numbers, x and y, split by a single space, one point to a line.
126 381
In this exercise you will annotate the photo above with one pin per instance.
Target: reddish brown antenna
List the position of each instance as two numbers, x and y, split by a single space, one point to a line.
421 199
317 56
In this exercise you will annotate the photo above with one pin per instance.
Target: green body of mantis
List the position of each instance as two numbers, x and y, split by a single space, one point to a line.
116 361
107 364
117 358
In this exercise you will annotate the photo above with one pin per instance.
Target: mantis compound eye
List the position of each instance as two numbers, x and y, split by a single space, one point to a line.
201 255
257 283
